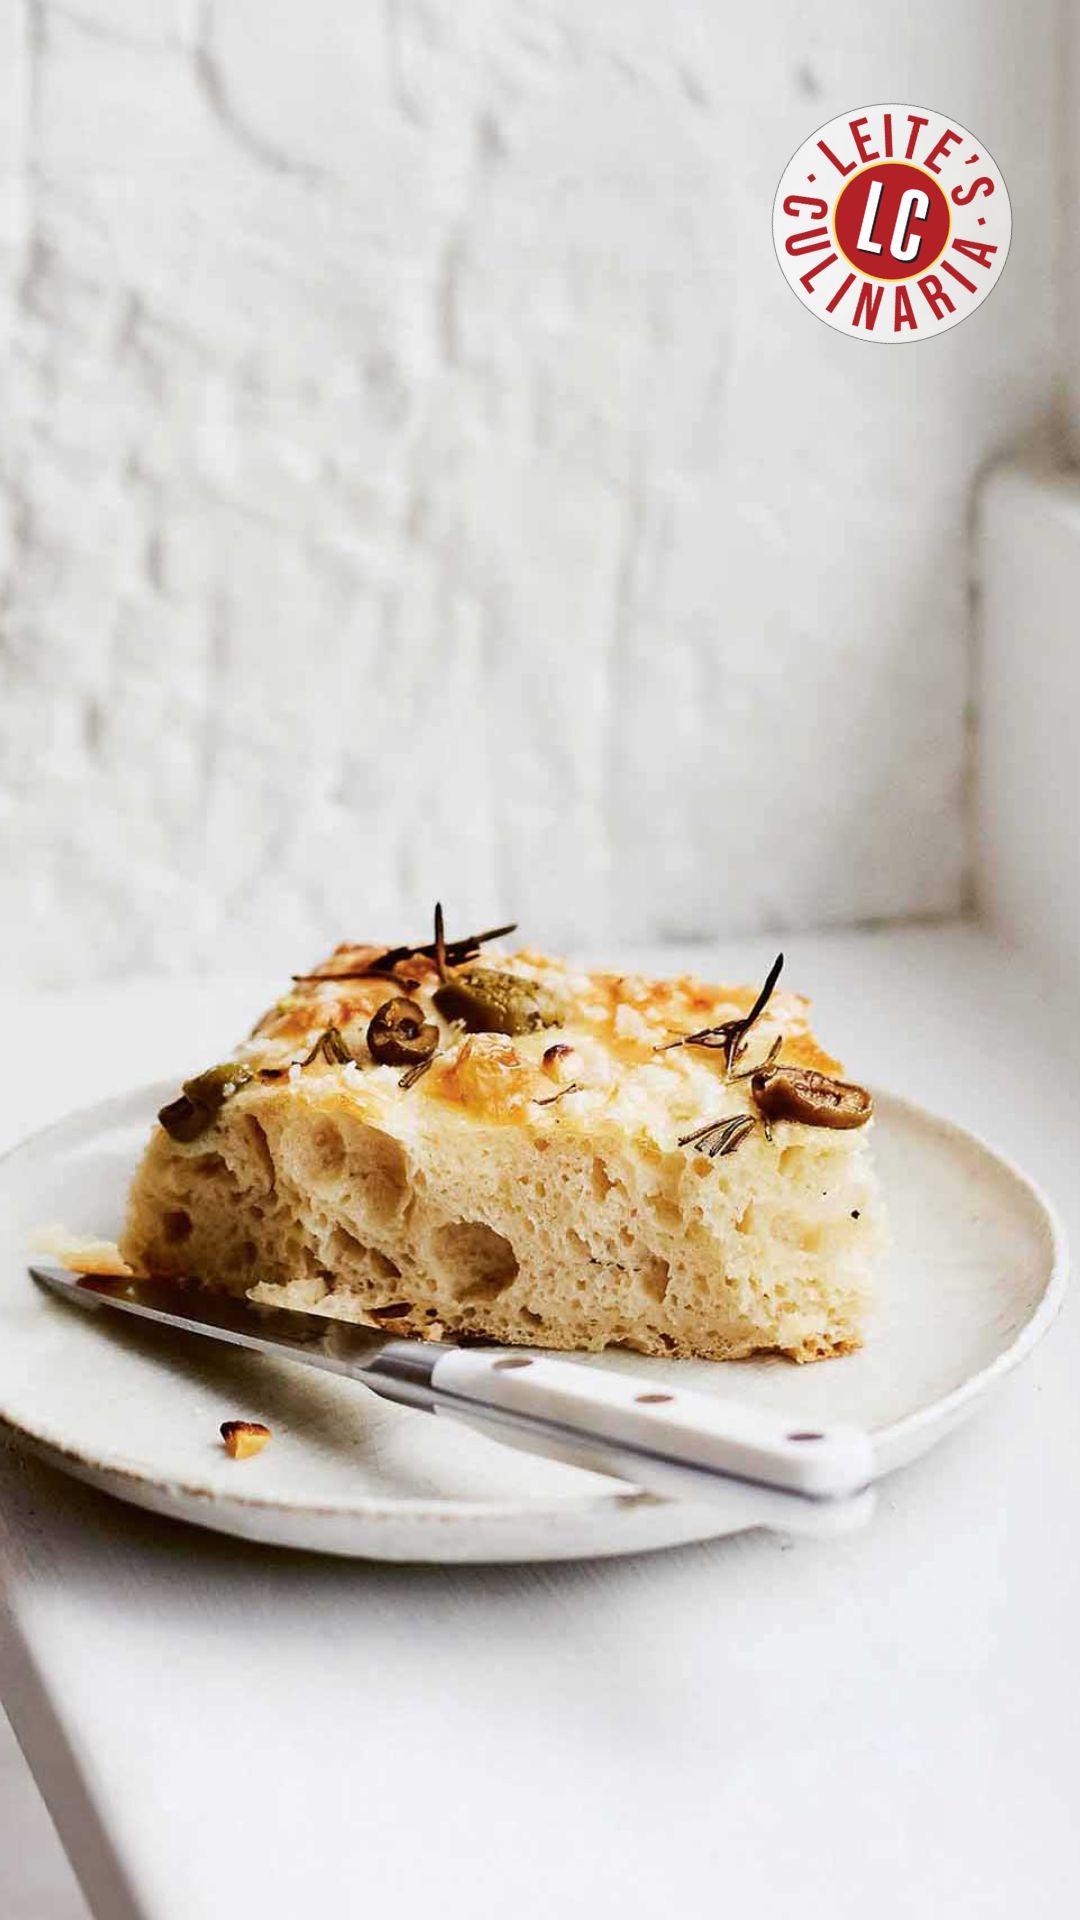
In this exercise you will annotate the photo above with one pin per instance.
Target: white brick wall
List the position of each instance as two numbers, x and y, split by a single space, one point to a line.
415 475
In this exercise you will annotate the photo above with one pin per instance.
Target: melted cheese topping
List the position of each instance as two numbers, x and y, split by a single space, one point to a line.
619 1027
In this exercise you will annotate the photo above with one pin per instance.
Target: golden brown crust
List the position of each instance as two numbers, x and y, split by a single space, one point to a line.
659 1009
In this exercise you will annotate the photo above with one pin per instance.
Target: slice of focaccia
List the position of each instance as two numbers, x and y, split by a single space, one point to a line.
448 1143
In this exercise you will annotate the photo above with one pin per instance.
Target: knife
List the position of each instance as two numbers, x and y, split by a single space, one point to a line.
668 1440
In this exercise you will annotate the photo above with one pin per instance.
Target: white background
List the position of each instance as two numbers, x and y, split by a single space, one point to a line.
416 475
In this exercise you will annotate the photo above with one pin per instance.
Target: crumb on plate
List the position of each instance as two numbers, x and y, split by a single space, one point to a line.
244 1438
82 1253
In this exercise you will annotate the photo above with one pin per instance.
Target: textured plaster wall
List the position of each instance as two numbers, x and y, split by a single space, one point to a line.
415 474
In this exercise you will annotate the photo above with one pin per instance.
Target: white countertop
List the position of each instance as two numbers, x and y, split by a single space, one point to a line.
881 1725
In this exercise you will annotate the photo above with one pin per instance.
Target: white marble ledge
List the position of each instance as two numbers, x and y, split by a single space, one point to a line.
36 1881
884 1724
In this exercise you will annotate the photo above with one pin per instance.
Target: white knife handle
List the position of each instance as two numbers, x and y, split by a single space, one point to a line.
659 1436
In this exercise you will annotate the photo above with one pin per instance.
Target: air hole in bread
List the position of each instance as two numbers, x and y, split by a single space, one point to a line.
358 1163
786 1229
666 1211
306 1265
378 1174
351 1259
314 1155
209 1166
261 1157
477 1262
655 1277
175 1225
344 1249
602 1180
328 1149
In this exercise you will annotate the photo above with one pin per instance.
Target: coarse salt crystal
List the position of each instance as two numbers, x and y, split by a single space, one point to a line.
629 1024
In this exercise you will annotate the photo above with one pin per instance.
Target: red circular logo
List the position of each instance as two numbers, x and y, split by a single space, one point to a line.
892 221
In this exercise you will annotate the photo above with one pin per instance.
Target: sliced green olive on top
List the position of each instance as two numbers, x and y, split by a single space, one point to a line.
486 1001
196 1108
398 1034
811 1098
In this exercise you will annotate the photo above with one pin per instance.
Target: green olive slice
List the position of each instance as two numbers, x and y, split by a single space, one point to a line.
399 1036
183 1120
486 1001
811 1098
201 1100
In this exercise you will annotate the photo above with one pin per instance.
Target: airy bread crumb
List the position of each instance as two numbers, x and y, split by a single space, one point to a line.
474 1204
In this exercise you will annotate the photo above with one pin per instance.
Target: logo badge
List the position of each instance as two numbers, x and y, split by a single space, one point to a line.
892 223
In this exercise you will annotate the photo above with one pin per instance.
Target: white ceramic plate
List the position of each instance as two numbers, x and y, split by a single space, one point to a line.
975 1274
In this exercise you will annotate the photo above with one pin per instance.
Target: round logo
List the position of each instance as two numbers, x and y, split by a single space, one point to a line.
892 223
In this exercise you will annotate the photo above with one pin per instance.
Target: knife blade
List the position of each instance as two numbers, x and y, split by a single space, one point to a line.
665 1439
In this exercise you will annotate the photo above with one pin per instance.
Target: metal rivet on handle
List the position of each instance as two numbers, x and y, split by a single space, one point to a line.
806 1436
652 1399
512 1360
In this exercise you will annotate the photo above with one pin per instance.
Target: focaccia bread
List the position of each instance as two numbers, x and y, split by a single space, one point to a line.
446 1144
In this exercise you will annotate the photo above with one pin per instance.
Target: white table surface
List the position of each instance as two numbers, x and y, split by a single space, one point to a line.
883 1726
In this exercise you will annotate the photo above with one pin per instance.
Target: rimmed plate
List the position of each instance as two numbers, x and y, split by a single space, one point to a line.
974 1275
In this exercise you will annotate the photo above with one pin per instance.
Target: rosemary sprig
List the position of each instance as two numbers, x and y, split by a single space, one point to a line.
730 1036
333 1048
405 982
764 1066
455 953
439 942
336 1052
720 1137
550 1099
412 1074
331 1044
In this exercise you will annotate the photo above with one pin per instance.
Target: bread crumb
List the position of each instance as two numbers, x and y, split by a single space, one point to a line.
244 1438
81 1253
